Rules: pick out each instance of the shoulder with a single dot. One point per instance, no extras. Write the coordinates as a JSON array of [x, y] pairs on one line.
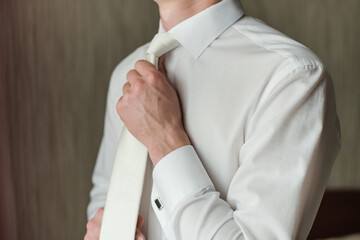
[[128, 61], [289, 68], [118, 76], [281, 59], [267, 39]]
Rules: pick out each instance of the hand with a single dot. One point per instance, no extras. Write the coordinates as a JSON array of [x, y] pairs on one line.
[[93, 227], [140, 223], [150, 109]]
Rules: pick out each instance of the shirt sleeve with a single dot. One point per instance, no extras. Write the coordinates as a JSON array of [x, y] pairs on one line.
[[290, 145], [190, 178]]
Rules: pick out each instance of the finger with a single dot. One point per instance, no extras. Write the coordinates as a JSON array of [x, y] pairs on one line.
[[126, 87], [92, 229], [99, 214], [132, 76], [144, 67], [139, 235], [140, 222], [92, 235], [100, 211]]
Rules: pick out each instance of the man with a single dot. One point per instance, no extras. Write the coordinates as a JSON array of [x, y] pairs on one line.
[[240, 124]]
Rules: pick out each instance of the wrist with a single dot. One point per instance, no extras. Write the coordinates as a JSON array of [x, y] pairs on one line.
[[171, 140]]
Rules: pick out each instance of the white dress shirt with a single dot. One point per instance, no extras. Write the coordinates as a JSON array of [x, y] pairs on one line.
[[260, 113]]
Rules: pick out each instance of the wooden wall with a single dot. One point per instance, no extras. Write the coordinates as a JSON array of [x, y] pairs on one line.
[[56, 61], [56, 58]]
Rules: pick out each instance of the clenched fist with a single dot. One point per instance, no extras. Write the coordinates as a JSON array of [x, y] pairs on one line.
[[150, 109]]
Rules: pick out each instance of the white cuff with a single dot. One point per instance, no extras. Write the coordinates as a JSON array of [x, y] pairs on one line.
[[178, 175]]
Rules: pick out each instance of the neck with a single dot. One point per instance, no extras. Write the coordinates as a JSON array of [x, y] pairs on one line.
[[173, 12]]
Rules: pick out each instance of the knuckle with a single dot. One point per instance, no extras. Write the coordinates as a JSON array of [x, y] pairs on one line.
[[126, 87], [138, 63], [125, 98], [138, 85], [153, 78], [130, 74]]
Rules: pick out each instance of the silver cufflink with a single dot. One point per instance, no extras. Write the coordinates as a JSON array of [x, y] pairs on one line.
[[158, 203]]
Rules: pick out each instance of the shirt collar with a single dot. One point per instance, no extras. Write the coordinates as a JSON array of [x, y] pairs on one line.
[[199, 31]]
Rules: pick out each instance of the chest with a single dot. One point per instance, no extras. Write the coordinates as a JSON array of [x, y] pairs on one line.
[[217, 101]]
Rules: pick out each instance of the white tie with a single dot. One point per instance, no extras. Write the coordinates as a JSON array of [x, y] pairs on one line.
[[127, 178]]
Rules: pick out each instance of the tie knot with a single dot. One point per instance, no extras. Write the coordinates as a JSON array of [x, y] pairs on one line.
[[160, 44]]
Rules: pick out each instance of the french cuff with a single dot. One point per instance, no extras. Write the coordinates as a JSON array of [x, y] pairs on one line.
[[179, 175]]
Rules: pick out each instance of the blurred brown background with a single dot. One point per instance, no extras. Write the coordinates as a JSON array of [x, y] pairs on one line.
[[56, 58]]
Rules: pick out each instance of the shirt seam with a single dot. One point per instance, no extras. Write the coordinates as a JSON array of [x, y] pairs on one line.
[[294, 60]]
